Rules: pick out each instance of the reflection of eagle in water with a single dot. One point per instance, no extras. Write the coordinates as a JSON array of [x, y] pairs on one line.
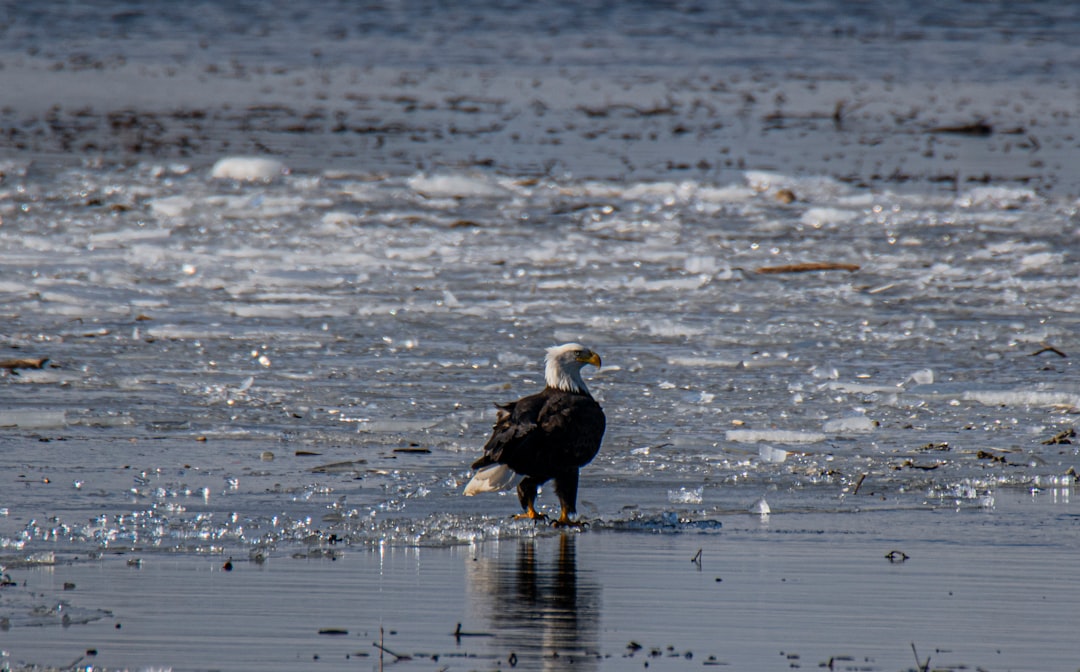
[[548, 435]]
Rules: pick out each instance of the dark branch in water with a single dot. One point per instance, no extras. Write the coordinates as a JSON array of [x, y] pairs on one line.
[[1048, 348], [459, 633], [396, 656], [978, 128], [923, 667], [378, 645]]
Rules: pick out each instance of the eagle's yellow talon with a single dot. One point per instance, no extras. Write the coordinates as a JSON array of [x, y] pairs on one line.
[[564, 521], [531, 514], [578, 524]]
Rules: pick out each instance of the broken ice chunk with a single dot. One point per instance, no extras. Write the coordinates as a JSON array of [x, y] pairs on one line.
[[686, 496], [248, 168], [761, 507], [33, 418], [854, 423], [922, 377], [772, 455]]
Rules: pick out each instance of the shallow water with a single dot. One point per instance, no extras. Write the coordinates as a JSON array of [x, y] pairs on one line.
[[305, 362], [789, 592]]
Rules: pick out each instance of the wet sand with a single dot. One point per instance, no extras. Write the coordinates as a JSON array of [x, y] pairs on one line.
[[969, 589]]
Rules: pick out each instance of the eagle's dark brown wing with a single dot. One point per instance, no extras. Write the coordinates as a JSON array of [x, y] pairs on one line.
[[545, 434]]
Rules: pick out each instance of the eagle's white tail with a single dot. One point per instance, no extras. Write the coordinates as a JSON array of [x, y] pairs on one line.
[[495, 478]]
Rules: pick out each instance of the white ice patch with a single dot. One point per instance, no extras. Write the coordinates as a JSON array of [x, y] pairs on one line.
[[772, 455], [728, 194], [997, 197], [7, 287], [851, 424], [679, 283], [171, 206], [703, 362], [701, 264], [393, 426], [285, 311], [261, 206], [335, 219], [1062, 398], [1042, 260], [772, 436], [669, 192], [922, 377], [32, 418], [118, 238], [456, 186], [858, 388], [805, 188], [248, 168], [670, 329], [451, 301], [822, 217]]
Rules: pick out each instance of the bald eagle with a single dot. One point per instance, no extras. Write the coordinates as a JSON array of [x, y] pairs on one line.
[[544, 436]]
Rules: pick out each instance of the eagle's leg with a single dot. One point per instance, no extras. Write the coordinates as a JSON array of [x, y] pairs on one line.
[[566, 490], [527, 496]]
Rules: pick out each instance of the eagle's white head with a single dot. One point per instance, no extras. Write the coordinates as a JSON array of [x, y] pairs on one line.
[[563, 364]]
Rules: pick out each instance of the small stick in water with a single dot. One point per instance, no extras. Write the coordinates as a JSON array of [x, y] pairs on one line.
[[397, 656], [858, 484], [923, 667]]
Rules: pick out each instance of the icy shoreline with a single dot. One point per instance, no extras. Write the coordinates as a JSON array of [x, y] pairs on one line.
[[204, 335]]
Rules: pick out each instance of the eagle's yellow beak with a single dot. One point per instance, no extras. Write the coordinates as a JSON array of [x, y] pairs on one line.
[[589, 358]]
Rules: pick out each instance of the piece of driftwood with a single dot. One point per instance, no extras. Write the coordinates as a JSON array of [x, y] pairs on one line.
[[977, 128], [23, 363], [1062, 437], [1048, 348], [808, 267]]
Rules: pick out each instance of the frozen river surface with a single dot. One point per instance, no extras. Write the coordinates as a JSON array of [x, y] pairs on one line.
[[236, 362], [836, 299]]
